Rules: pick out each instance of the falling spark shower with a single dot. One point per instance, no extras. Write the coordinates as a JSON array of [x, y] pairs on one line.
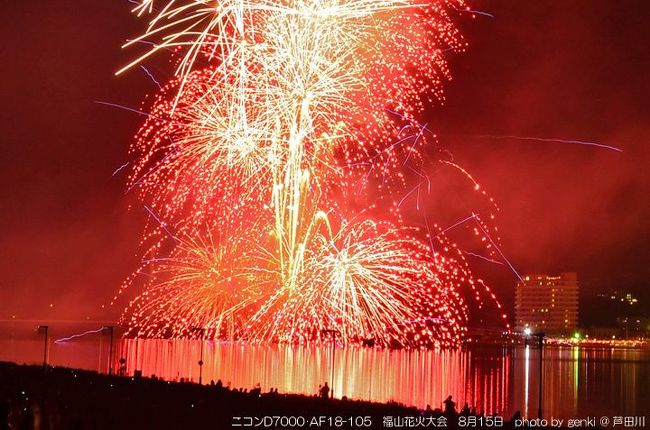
[[271, 164]]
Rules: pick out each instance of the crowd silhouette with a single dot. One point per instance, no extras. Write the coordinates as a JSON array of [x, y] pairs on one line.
[[38, 398]]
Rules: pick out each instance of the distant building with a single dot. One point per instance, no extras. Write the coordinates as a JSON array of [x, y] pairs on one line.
[[619, 296], [547, 303], [633, 326]]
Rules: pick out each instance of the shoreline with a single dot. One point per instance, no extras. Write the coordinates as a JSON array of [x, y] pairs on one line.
[[51, 398]]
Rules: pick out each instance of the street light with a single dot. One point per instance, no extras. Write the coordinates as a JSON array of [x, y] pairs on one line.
[[202, 331], [43, 329], [333, 333], [110, 329]]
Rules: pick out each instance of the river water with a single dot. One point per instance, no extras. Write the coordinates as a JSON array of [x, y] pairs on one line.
[[577, 381]]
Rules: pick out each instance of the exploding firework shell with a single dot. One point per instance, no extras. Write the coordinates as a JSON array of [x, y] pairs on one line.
[[370, 282], [278, 115], [207, 282]]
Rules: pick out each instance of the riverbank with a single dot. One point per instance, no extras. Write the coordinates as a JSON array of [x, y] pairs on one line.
[[33, 397]]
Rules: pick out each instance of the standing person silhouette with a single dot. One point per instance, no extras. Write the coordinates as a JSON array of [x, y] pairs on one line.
[[450, 406], [325, 391]]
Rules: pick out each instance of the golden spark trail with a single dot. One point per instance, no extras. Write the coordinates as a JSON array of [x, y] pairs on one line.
[[276, 118]]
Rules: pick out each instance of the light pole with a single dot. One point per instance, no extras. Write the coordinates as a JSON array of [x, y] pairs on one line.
[[43, 329], [202, 331], [333, 333], [110, 329]]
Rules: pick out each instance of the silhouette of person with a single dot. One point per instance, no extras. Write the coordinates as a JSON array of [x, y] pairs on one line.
[[325, 391], [122, 369], [428, 411], [450, 406]]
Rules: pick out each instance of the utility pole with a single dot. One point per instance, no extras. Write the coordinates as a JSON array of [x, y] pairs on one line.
[[333, 333], [43, 329], [110, 329], [201, 330]]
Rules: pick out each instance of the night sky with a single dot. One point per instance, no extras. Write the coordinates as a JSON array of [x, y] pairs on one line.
[[575, 70]]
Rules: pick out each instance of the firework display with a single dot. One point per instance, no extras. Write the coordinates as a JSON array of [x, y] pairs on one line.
[[270, 163]]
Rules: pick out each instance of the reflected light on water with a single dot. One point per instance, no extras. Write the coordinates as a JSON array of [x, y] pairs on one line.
[[526, 381], [418, 378], [578, 381]]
